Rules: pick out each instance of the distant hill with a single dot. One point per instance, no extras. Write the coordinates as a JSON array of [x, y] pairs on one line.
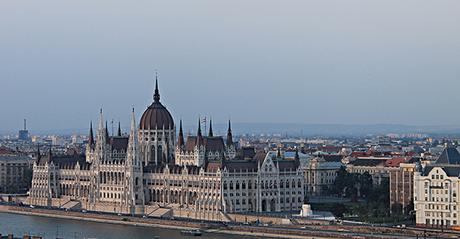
[[298, 129]]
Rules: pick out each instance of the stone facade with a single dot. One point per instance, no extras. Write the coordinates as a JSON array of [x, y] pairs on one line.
[[146, 173], [13, 173], [402, 185], [436, 189], [320, 175]]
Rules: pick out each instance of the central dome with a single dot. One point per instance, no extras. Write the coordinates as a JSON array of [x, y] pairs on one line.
[[156, 116]]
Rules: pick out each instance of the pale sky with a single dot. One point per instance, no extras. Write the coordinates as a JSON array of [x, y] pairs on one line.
[[325, 61]]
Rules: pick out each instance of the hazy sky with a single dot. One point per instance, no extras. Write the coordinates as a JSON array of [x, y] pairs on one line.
[[322, 61]]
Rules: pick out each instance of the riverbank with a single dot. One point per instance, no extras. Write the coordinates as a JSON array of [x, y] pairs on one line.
[[153, 222]]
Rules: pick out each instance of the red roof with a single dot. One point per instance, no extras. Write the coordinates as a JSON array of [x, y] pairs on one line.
[[359, 154], [6, 151], [394, 162]]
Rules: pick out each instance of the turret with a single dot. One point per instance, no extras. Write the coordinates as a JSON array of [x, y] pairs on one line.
[[199, 136], [132, 142], [107, 137], [91, 135], [180, 140], [229, 134], [101, 140], [211, 134], [156, 95]]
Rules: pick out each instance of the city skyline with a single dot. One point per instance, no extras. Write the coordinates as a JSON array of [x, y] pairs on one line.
[[271, 64]]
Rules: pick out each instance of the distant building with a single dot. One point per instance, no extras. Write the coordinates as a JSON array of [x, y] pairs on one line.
[[402, 184], [15, 172], [436, 191], [320, 175], [24, 133], [375, 166]]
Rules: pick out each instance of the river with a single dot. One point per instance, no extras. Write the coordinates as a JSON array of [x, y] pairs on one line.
[[51, 228]]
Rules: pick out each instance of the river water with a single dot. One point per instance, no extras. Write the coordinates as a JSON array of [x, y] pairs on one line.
[[51, 228]]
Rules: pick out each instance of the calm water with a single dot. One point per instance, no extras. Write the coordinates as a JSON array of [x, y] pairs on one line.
[[69, 229]]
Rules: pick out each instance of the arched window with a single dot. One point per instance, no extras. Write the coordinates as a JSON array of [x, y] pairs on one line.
[[160, 153]]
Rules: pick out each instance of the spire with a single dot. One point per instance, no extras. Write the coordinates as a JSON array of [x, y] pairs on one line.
[[38, 153], [210, 128], [119, 129], [133, 123], [132, 142], [156, 95], [278, 154], [180, 140], [199, 135], [91, 135], [199, 128], [229, 134], [107, 138], [101, 121]]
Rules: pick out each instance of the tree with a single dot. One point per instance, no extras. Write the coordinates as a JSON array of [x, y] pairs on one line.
[[338, 210]]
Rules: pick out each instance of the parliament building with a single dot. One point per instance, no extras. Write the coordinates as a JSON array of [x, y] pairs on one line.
[[154, 172]]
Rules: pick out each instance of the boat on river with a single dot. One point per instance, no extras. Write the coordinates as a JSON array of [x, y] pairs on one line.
[[195, 232]]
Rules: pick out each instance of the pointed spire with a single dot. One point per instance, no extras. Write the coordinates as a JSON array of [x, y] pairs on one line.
[[119, 129], [133, 122], [210, 129], [156, 95], [107, 138], [101, 120], [91, 135], [199, 128], [132, 142], [278, 155], [38, 153], [199, 135], [229, 134], [180, 140]]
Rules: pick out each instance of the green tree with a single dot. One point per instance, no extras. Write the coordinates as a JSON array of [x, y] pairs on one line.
[[338, 210]]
